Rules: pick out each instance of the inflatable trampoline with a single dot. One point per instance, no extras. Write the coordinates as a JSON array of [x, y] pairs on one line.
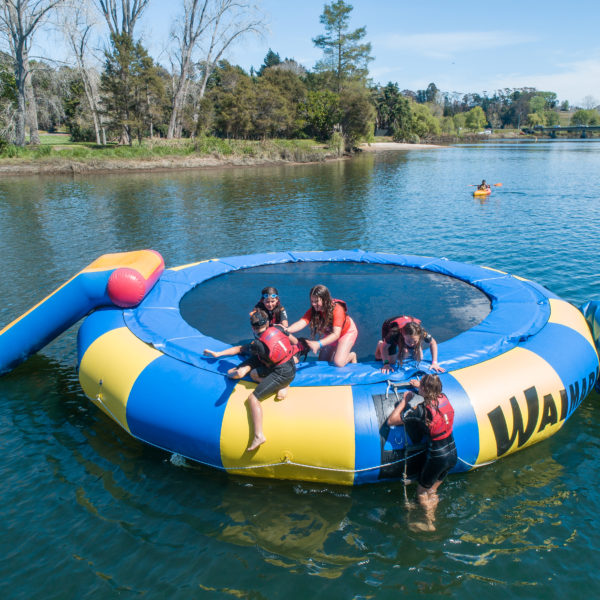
[[521, 363]]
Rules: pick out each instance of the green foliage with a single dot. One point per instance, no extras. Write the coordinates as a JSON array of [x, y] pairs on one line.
[[131, 87], [357, 114], [551, 118], [424, 124], [344, 53], [535, 119], [585, 117], [322, 110], [271, 59], [475, 119]]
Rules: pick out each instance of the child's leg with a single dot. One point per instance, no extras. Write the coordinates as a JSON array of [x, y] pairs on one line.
[[378, 350], [238, 372], [257, 423], [343, 352]]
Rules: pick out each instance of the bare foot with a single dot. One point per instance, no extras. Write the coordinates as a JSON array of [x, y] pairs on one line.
[[257, 441], [353, 360], [419, 526], [281, 394]]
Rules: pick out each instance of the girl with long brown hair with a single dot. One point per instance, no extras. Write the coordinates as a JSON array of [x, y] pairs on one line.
[[332, 329]]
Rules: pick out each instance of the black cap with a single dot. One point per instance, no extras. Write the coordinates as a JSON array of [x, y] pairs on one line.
[[258, 319]]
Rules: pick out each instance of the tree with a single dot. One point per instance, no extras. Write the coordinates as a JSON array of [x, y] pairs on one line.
[[121, 15], [585, 117], [19, 20], [357, 114], [77, 24], [271, 60], [322, 109], [344, 54], [131, 88], [215, 25], [475, 118]]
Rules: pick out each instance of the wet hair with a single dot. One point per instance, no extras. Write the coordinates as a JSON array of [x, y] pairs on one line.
[[275, 313], [411, 329], [259, 318], [321, 321], [269, 290], [430, 387]]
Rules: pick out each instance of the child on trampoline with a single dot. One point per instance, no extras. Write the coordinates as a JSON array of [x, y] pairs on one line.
[[402, 338], [330, 323], [271, 364], [271, 304]]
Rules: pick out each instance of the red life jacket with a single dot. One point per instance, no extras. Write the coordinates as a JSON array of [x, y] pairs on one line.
[[401, 321], [442, 419], [278, 345], [343, 304]]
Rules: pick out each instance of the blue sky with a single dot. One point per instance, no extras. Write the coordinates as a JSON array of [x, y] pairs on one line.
[[462, 46]]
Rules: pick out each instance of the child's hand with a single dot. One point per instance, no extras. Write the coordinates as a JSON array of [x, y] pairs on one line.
[[387, 368], [414, 383], [314, 346], [435, 367]]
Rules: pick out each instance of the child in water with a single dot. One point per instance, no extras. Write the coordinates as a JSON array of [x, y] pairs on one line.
[[432, 412], [271, 304], [402, 338], [271, 364]]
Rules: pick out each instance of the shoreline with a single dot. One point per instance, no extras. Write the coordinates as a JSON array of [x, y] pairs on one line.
[[15, 168]]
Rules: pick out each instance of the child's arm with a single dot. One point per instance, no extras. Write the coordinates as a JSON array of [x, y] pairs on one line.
[[396, 417], [434, 355], [388, 365], [227, 352]]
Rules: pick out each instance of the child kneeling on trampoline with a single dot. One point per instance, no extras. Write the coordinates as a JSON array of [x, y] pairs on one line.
[[270, 363]]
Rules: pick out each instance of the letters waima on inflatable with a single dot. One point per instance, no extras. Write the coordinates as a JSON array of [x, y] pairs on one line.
[[513, 379]]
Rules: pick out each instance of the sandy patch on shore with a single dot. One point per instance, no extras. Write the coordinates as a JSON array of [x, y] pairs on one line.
[[381, 146]]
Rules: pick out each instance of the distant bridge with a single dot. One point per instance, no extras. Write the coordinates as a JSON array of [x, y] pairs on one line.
[[583, 130]]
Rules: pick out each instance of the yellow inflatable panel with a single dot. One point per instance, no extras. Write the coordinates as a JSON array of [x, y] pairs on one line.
[[110, 367], [527, 400], [312, 426], [565, 313]]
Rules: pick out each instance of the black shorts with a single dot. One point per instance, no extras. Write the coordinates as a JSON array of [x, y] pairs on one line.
[[441, 457], [273, 378]]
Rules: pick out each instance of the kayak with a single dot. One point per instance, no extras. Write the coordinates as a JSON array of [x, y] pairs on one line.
[[482, 192]]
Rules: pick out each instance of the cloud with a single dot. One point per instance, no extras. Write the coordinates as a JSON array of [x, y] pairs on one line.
[[445, 45], [571, 81]]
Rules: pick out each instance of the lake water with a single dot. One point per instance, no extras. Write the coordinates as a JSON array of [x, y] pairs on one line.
[[88, 512]]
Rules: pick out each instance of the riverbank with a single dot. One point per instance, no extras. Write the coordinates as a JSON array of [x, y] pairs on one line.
[[163, 155]]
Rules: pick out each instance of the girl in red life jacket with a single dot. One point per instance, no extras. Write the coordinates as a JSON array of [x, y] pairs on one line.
[[432, 412], [271, 304], [271, 364], [402, 338], [333, 331]]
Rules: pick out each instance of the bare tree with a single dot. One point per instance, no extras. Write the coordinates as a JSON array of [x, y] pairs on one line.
[[121, 15], [209, 26], [19, 19], [77, 24]]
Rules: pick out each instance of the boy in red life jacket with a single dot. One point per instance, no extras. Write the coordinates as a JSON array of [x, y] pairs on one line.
[[432, 412], [402, 338], [271, 364]]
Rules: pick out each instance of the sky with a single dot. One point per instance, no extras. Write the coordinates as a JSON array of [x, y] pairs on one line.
[[463, 46]]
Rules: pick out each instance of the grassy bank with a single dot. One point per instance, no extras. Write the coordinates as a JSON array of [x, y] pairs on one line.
[[57, 154]]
